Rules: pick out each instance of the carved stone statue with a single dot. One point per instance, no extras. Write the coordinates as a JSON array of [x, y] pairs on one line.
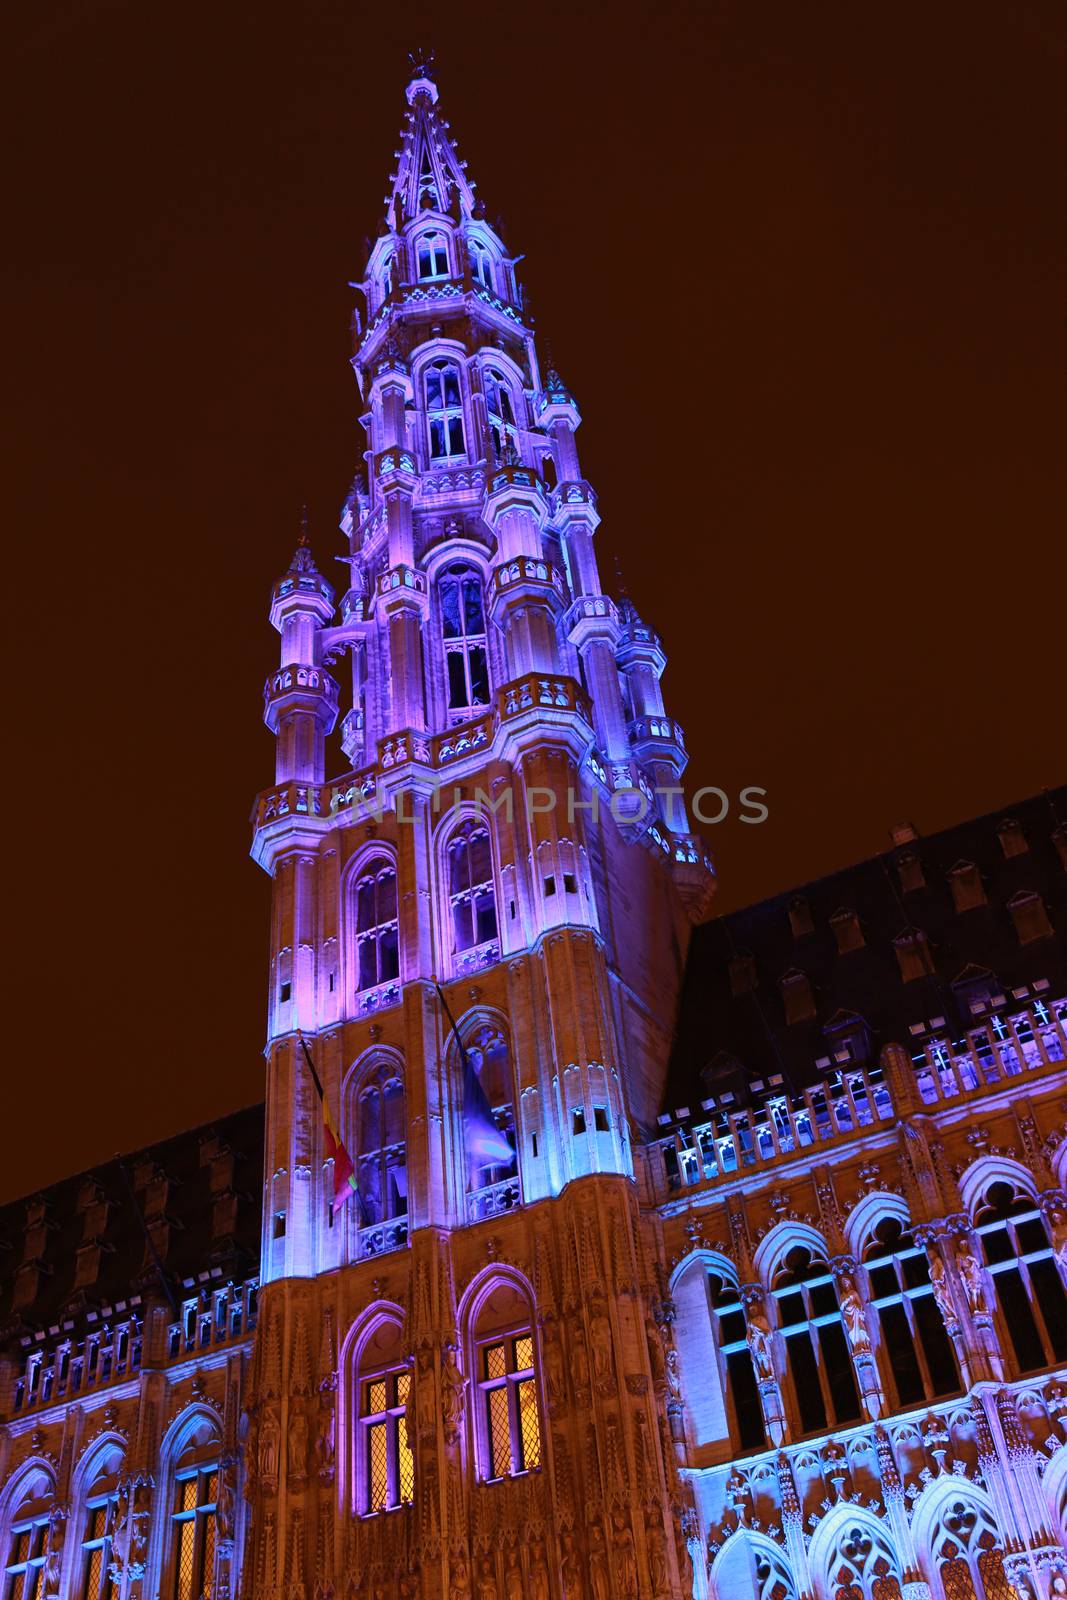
[[227, 1496], [57, 1532], [538, 1574], [424, 1385], [1057, 1227], [674, 1376], [570, 1570], [657, 1558], [598, 1564], [324, 1445], [267, 1456], [460, 1574], [759, 1342], [942, 1291], [579, 1361], [852, 1316], [555, 1381], [971, 1277], [655, 1352], [513, 1585], [298, 1444], [453, 1385], [486, 1581], [625, 1556], [600, 1340]]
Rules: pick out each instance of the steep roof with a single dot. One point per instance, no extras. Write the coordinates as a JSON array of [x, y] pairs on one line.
[[831, 955]]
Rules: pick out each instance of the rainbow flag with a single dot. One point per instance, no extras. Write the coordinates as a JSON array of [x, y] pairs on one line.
[[344, 1172]]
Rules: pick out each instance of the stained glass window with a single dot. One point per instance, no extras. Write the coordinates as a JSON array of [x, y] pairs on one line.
[[24, 1574], [193, 1522], [388, 1464], [511, 1420]]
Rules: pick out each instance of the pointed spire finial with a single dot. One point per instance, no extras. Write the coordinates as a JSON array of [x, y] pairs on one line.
[[303, 560], [421, 80], [303, 541]]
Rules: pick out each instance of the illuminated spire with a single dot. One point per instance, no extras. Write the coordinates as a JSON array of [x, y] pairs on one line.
[[429, 175]]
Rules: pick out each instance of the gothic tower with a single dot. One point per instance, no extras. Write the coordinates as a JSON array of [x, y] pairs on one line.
[[459, 1386]]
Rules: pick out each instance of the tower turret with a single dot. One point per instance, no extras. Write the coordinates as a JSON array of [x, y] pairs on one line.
[[300, 698]]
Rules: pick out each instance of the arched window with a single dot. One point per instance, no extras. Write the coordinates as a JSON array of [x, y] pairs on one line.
[[863, 1566], [966, 1551], [481, 264], [432, 252], [487, 1052], [384, 1474], [736, 1357], [189, 1562], [471, 888], [27, 1544], [913, 1332], [809, 1317], [381, 1146], [92, 1580], [507, 1415], [1028, 1286], [377, 937], [444, 411], [463, 628], [500, 408]]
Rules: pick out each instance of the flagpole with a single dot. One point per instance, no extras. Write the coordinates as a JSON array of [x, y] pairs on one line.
[[318, 1087]]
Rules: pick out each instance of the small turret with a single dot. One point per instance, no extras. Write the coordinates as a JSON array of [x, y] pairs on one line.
[[301, 698]]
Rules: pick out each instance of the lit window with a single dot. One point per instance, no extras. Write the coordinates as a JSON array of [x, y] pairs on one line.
[[444, 411], [501, 411], [96, 1583], [1019, 1257], [966, 1544], [737, 1363], [381, 1147], [864, 1565], [511, 1427], [433, 256], [820, 1365], [193, 1532], [463, 629], [24, 1573], [913, 1332], [377, 946], [388, 1464], [471, 890]]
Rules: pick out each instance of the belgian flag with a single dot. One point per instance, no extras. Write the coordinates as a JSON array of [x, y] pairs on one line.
[[344, 1172]]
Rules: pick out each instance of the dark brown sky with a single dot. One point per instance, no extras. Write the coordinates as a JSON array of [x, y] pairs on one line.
[[803, 266]]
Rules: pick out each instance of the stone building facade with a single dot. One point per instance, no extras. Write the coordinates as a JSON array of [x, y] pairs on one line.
[[760, 1293]]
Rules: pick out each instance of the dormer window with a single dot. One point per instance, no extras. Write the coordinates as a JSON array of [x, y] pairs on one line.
[[797, 997], [432, 251], [444, 411], [847, 930], [742, 971], [913, 954], [1012, 838], [965, 881], [800, 917], [1030, 917], [910, 872]]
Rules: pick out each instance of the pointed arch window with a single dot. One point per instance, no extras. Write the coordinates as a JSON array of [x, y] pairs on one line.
[[864, 1567], [193, 1531], [444, 411], [1029, 1290], [914, 1339], [969, 1559], [377, 928], [432, 255], [494, 1186], [24, 1569], [381, 1147], [471, 887], [95, 1582], [382, 1464], [463, 631], [507, 1418], [736, 1356], [809, 1318], [500, 408], [481, 264]]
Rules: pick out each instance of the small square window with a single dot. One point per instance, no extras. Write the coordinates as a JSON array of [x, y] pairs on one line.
[[577, 1120], [570, 883], [285, 992], [550, 885], [279, 1224], [600, 1119]]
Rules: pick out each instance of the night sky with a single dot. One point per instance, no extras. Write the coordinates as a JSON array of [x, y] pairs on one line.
[[802, 266]]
